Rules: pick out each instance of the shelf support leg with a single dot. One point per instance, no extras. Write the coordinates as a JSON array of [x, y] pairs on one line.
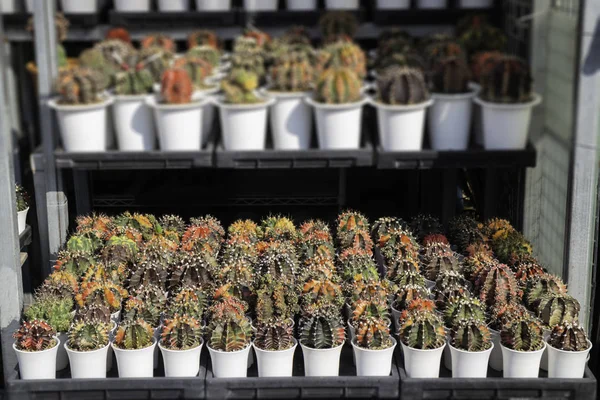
[[81, 184]]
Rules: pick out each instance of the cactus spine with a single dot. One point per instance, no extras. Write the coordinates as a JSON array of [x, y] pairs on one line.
[[421, 329], [321, 328], [274, 336], [569, 337], [471, 335]]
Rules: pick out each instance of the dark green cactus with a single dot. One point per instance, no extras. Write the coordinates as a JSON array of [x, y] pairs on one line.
[[192, 270], [439, 257], [541, 285], [137, 308], [470, 335], [86, 244], [569, 337], [181, 333], [54, 310], [228, 331], [365, 309], [34, 335], [274, 336], [321, 327], [450, 75], [278, 260], [509, 81], [511, 247], [134, 335], [88, 336], [464, 231], [373, 334], [134, 82], [237, 264], [356, 261], [203, 37], [558, 309], [191, 301], [425, 224], [477, 35], [523, 334], [407, 59], [93, 312], [463, 308], [421, 330]]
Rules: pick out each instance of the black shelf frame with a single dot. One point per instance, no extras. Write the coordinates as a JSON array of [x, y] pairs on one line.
[[179, 20]]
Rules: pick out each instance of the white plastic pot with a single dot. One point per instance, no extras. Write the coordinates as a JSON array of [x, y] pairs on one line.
[[341, 4], [28, 6], [322, 362], [132, 5], [422, 363], [62, 359], [135, 363], [275, 363], [301, 5], [401, 128], [22, 220], [83, 128], [244, 126], [173, 5], [470, 364], [475, 3], [496, 355], [79, 6], [291, 121], [37, 364], [506, 126], [393, 4], [229, 364], [208, 112], [338, 125], [373, 362], [213, 5], [260, 5], [134, 124], [181, 363], [8, 6], [431, 4], [449, 120], [567, 364], [88, 364], [179, 125], [521, 364]]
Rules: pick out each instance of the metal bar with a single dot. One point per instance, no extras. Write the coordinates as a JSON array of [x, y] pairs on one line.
[[81, 184], [449, 187]]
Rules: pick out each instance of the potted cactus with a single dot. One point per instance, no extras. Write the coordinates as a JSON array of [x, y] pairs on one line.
[[36, 346], [522, 343], [260, 5], [301, 5], [173, 5], [87, 347], [243, 112], [125, 6], [341, 4], [213, 5], [507, 102], [79, 6], [180, 344], [292, 78], [402, 99], [81, 108], [373, 347], [423, 339], [338, 104], [275, 346], [568, 350], [22, 207], [102, 293], [470, 348], [134, 345], [322, 337], [432, 4], [178, 115]]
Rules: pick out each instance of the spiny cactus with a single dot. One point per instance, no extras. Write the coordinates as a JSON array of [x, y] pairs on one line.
[[181, 333], [205, 234], [22, 198], [203, 37], [120, 251], [396, 246], [277, 227], [373, 334], [369, 309], [407, 293], [569, 337], [422, 225], [243, 44], [197, 69], [315, 241], [338, 85], [106, 293], [84, 243], [463, 231], [497, 286], [149, 272], [320, 288], [61, 284], [399, 265], [477, 264], [206, 53], [502, 315], [557, 309], [471, 335], [237, 265], [173, 226], [274, 336], [401, 86], [482, 63], [54, 310], [134, 335], [74, 262], [321, 327], [229, 332], [382, 227], [240, 86], [317, 263], [176, 87], [354, 261], [278, 260], [511, 247], [449, 278], [439, 50], [541, 285], [192, 270], [407, 59], [244, 230], [93, 312], [446, 293], [362, 288], [450, 75], [121, 34], [526, 271], [349, 222], [106, 58], [292, 72], [524, 334], [191, 301], [509, 81], [158, 40], [437, 259], [336, 25], [136, 80], [95, 224], [275, 300], [80, 86], [421, 330], [156, 60], [463, 308], [88, 336], [250, 61], [262, 38], [35, 335], [344, 54], [477, 35], [136, 308]]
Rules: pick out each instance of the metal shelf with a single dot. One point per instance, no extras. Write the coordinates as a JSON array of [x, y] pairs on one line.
[[179, 20]]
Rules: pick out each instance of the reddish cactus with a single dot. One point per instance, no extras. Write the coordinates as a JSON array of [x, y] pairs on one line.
[[176, 87]]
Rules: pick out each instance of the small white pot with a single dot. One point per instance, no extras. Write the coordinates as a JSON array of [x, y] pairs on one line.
[[179, 125], [37, 364], [301, 5], [208, 112], [62, 359], [132, 5], [173, 5], [135, 363], [422, 363], [338, 125], [134, 124], [79, 6], [567, 364], [476, 3], [244, 126], [213, 5], [401, 128], [22, 219], [322, 362], [260, 5], [393, 4], [449, 120], [88, 364], [506, 126], [181, 363], [275, 363], [8, 6], [229, 364], [373, 362], [468, 364], [544, 362], [496, 356], [341, 4], [291, 121], [521, 364], [431, 4], [83, 128]]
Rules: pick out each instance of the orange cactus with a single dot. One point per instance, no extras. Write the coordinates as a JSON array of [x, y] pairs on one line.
[[176, 86]]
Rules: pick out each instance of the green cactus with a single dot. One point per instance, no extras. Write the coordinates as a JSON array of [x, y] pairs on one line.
[[134, 82], [192, 270], [155, 60], [450, 75], [134, 335], [471, 335], [476, 35], [244, 231], [569, 337], [365, 309], [425, 224], [541, 285], [558, 309], [292, 72], [398, 247], [446, 293], [441, 49], [206, 53], [275, 300], [498, 285], [197, 69], [356, 261], [384, 226], [88, 336], [107, 57], [228, 331], [22, 198], [422, 330], [438, 258], [337, 25], [181, 333], [240, 86], [338, 85], [34, 335], [86, 244], [321, 327], [279, 228], [510, 247], [203, 37], [102, 293], [74, 262], [449, 278], [502, 315], [191, 301], [523, 334], [369, 289], [344, 54], [136, 308], [315, 243], [463, 308], [93, 312], [244, 44], [508, 81], [276, 335], [54, 310], [278, 260], [119, 250], [97, 225], [464, 231], [237, 264], [252, 62], [373, 334]]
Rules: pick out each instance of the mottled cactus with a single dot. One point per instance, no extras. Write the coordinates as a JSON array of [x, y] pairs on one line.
[[84, 243], [239, 87], [181, 333], [478, 263], [470, 335], [278, 228], [135, 308], [502, 315], [106, 293], [368, 289], [425, 224], [173, 226], [292, 72], [449, 278], [190, 301], [527, 271], [197, 69], [176, 87], [510, 247], [278, 260], [237, 264], [315, 241], [229, 332], [524, 334], [149, 272], [422, 330], [321, 288], [203, 37], [88, 336], [205, 234], [136, 80], [107, 57], [192, 270], [540, 286], [407, 293], [274, 336], [399, 265], [369, 309], [94, 224], [159, 40], [463, 308], [437, 258], [206, 53], [356, 261], [321, 328], [120, 250], [156, 61], [509, 81], [80, 86], [134, 335], [558, 309], [337, 25], [498, 285], [398, 246], [22, 198], [93, 312], [243, 44], [464, 231], [373, 334], [54, 310], [262, 38], [74, 262], [244, 231], [348, 223], [253, 62], [569, 337], [35, 335], [338, 85], [344, 54], [450, 75], [482, 63], [61, 284], [446, 293], [382, 227], [275, 300]]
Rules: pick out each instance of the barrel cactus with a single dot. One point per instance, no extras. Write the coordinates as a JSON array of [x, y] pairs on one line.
[[278, 260], [176, 87], [338, 85], [373, 334], [229, 332], [321, 288], [206, 53], [407, 293], [240, 86], [497, 286], [356, 261], [344, 54], [509, 81], [244, 231], [292, 72], [203, 37], [279, 228], [34, 335], [275, 301], [190, 301], [463, 308], [450, 75], [276, 335], [524, 334], [197, 69], [401, 86], [88, 336], [80, 86], [321, 328], [471, 335], [541, 285], [464, 231], [422, 330], [93, 312], [437, 260], [569, 337], [557, 309], [134, 335], [106, 293], [182, 332], [192, 270]]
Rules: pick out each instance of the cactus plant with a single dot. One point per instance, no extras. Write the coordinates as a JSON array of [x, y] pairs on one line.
[[134, 335], [321, 288], [95, 224], [541, 285], [470, 335], [93, 312], [424, 224], [365, 309], [197, 69], [407, 293], [156, 61], [477, 264], [239, 87], [88, 336], [34, 335], [134, 79], [408, 59], [250, 61], [510, 247], [149, 272], [523, 334], [206, 53], [74, 262], [498, 285], [315, 241], [338, 85], [275, 300], [189, 300], [476, 35], [106, 293], [228, 331], [192, 270], [62, 29], [176, 87], [277, 227], [508, 81], [441, 49], [204, 234], [344, 54], [54, 310], [501, 315], [437, 258], [173, 226], [463, 308], [244, 44], [136, 308], [569, 337], [237, 265], [278, 260], [350, 222], [158, 40], [398, 246], [526, 271], [446, 293], [84, 243], [464, 231], [292, 72], [274, 336], [558, 309], [244, 230], [450, 75], [482, 63], [61, 284], [362, 288], [354, 261], [321, 327], [261, 37], [382, 227], [448, 278], [80, 86], [181, 333], [373, 334], [337, 25], [203, 37], [421, 330]]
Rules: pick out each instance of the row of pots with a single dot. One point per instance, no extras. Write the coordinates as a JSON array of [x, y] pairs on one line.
[[92, 6]]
